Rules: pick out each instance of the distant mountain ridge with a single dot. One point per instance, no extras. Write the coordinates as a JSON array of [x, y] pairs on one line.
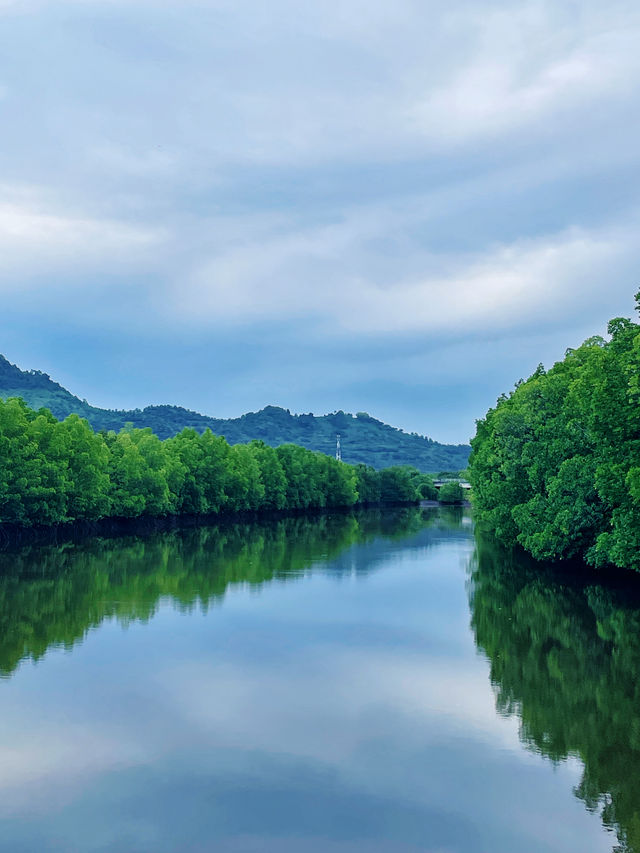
[[364, 439]]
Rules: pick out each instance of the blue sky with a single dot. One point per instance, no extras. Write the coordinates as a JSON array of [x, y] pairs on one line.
[[393, 207]]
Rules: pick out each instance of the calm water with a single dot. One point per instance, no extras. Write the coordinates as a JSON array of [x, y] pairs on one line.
[[370, 683]]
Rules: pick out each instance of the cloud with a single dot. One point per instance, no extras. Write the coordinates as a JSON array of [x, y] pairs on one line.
[[124, 161], [35, 238], [507, 287], [433, 175], [351, 278], [530, 66], [300, 86]]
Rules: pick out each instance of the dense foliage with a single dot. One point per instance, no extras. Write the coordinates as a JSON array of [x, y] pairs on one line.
[[58, 471], [451, 493], [364, 439], [555, 466], [565, 656]]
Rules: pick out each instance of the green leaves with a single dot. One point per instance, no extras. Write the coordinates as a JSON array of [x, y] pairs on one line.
[[451, 493], [52, 471], [554, 465]]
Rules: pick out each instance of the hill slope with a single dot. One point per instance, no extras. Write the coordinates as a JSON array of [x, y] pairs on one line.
[[364, 439]]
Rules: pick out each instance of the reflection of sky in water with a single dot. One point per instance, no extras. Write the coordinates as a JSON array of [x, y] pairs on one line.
[[346, 711]]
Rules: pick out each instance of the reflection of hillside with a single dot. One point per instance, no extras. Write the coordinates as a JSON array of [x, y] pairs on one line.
[[54, 595], [565, 657], [418, 530]]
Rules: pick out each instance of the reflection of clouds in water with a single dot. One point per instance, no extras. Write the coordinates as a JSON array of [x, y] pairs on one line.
[[319, 845], [370, 718], [341, 699], [43, 765], [340, 716]]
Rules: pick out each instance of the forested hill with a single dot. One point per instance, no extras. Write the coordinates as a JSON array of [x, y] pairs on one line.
[[364, 439]]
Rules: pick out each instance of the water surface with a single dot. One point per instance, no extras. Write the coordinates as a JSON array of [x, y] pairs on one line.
[[373, 682]]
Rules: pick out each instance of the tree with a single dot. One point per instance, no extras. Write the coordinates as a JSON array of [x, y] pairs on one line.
[[554, 464], [271, 475], [52, 471], [244, 488], [87, 481], [451, 493], [396, 485]]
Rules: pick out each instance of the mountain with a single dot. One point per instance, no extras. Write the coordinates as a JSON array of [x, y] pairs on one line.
[[363, 438]]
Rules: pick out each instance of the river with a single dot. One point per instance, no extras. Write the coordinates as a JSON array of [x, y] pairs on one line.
[[376, 682]]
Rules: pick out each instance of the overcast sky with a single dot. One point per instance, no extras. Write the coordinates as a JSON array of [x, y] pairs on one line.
[[399, 207]]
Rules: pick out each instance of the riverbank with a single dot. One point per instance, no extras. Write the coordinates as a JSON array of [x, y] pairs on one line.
[[463, 504], [14, 535]]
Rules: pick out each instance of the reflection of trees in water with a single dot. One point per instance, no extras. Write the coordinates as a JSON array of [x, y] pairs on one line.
[[54, 595], [565, 657]]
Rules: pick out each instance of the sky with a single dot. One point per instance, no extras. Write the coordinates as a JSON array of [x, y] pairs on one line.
[[399, 208]]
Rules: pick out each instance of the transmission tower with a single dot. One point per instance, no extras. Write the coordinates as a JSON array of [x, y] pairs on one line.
[[338, 450]]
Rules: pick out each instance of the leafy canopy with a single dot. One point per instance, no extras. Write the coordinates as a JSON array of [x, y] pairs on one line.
[[555, 466]]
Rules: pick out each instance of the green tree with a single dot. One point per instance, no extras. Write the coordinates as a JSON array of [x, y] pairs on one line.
[[244, 488], [271, 475], [368, 484], [53, 471], [396, 485], [451, 493], [554, 464], [87, 482]]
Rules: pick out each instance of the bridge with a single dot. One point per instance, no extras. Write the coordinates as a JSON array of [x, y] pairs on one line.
[[462, 483]]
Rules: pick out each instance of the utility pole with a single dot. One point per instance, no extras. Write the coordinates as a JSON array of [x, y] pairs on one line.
[[338, 450]]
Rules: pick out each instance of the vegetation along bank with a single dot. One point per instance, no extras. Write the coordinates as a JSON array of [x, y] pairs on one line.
[[555, 466], [55, 472], [364, 439]]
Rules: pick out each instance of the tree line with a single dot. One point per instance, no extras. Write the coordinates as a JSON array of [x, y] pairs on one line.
[[55, 471], [365, 439], [555, 466]]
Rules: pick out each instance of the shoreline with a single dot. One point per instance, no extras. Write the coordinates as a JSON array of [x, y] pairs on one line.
[[14, 535]]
